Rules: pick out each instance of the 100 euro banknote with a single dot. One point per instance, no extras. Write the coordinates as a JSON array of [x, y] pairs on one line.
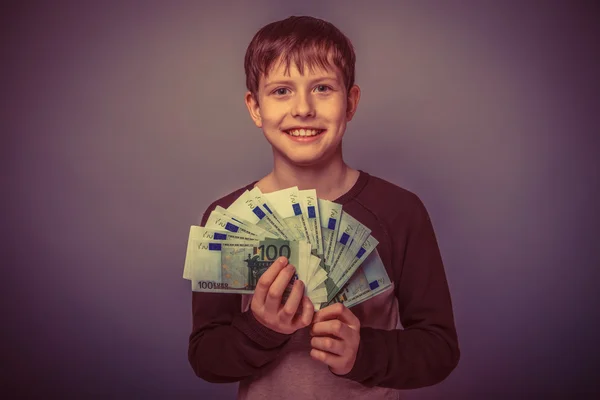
[[201, 234], [235, 266]]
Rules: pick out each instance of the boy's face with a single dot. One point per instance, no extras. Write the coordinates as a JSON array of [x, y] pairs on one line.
[[303, 117]]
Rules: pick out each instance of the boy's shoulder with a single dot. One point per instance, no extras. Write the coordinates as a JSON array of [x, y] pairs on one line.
[[388, 204], [378, 185], [382, 194]]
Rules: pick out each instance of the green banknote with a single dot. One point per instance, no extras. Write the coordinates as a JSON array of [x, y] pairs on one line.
[[236, 266], [329, 214], [338, 278], [199, 234], [287, 204], [249, 209], [369, 280]]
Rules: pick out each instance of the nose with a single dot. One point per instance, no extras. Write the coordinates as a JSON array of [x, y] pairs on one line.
[[303, 106]]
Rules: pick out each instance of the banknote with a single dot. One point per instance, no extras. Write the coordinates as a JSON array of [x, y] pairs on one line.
[[314, 278], [287, 204], [259, 231], [368, 295], [304, 256], [236, 266], [203, 233], [310, 208], [308, 231], [360, 236], [220, 221], [370, 279], [351, 236], [341, 276], [278, 219], [329, 214], [200, 234], [316, 274], [248, 209], [304, 274], [318, 295]]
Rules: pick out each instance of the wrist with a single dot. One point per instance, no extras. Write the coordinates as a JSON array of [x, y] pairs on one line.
[[357, 372], [257, 332]]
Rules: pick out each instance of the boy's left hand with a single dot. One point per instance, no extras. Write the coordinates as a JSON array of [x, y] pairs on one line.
[[336, 336]]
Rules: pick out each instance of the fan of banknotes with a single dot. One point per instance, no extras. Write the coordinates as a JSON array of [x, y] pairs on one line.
[[333, 253]]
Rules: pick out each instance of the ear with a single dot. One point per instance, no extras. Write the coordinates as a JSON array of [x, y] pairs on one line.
[[253, 108], [353, 99]]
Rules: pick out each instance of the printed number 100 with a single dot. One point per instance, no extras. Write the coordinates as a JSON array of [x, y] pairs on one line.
[[272, 253]]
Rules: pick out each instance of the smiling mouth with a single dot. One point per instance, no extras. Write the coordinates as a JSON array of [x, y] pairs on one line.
[[304, 132]]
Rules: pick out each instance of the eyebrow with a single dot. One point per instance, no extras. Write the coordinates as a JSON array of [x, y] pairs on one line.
[[292, 83]]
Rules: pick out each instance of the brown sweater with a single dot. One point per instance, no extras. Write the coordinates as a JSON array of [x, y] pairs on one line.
[[407, 337]]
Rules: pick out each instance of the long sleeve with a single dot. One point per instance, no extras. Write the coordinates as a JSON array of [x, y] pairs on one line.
[[226, 344], [426, 350]]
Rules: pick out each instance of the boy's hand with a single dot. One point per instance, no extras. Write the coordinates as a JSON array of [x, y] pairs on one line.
[[266, 302], [336, 336]]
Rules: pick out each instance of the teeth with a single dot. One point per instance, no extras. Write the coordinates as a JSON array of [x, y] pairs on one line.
[[304, 132]]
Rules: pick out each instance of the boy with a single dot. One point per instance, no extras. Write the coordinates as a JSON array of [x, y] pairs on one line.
[[301, 93]]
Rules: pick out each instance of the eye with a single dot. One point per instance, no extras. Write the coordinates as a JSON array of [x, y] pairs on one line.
[[280, 91], [323, 88]]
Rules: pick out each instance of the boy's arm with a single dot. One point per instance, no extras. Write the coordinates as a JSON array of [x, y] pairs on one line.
[[226, 344], [426, 350]]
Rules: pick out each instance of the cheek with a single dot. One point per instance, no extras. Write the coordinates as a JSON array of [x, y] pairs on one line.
[[271, 120], [339, 122], [272, 111], [334, 113]]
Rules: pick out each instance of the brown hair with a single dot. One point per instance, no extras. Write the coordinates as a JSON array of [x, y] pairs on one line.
[[299, 40]]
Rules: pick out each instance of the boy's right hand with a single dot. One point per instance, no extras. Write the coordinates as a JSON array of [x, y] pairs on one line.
[[266, 303]]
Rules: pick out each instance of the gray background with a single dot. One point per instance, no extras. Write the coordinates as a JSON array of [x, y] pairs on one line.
[[122, 121]]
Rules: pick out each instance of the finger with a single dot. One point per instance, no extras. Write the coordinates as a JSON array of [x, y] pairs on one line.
[[293, 301], [334, 328], [308, 311], [337, 311], [332, 360], [267, 279], [330, 312], [275, 292], [328, 344]]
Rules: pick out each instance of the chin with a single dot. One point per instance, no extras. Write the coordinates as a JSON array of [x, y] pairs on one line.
[[309, 156], [306, 161]]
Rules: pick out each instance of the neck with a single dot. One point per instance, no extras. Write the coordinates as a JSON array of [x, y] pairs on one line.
[[330, 178]]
